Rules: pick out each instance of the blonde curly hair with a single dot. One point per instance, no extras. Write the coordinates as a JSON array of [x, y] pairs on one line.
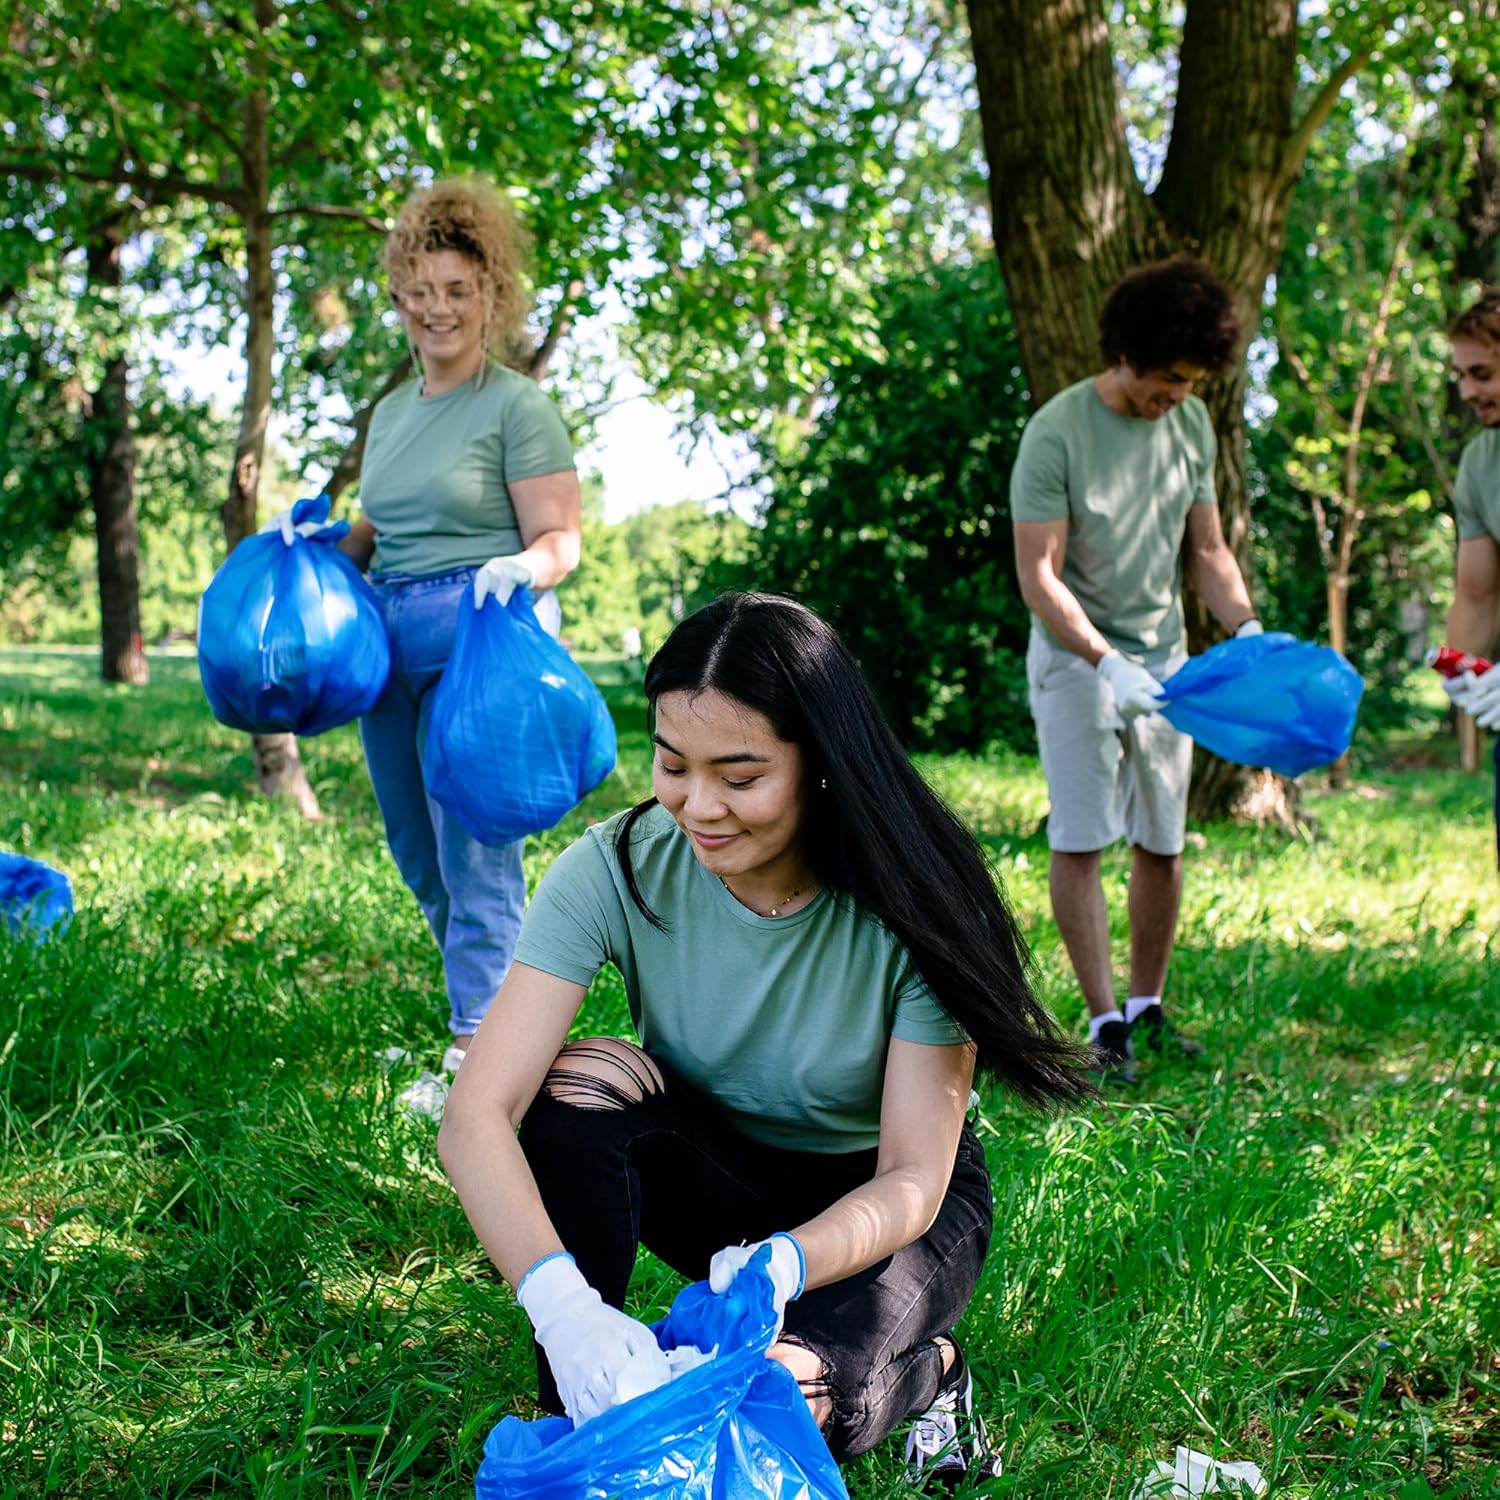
[[468, 215]]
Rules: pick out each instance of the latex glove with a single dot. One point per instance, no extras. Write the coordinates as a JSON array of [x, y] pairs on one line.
[[600, 1357], [1483, 700], [1459, 687], [501, 576], [1136, 690], [788, 1269], [1252, 626], [305, 518]]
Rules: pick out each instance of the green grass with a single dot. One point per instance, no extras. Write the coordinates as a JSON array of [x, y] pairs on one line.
[[229, 1265]]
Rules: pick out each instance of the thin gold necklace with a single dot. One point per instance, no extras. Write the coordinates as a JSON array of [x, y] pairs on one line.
[[775, 911]]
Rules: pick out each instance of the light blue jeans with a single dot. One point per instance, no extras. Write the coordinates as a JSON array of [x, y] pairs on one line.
[[471, 895]]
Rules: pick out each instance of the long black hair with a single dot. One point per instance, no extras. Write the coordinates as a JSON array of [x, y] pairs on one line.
[[876, 833]]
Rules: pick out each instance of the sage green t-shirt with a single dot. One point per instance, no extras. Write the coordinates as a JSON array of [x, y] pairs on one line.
[[1124, 485], [437, 469], [784, 1021], [1476, 491]]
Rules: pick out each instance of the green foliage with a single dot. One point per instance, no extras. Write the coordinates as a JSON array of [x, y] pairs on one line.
[[896, 523], [233, 1266]]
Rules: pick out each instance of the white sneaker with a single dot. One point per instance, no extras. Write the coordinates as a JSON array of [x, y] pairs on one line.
[[426, 1097], [948, 1442]]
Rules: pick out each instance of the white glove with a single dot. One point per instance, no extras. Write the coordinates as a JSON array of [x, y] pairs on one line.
[[501, 576], [788, 1270], [304, 518], [1483, 700], [600, 1357], [1459, 687], [1136, 690], [1252, 626]]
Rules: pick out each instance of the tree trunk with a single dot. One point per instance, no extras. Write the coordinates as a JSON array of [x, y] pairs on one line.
[[278, 765], [1070, 214], [110, 447]]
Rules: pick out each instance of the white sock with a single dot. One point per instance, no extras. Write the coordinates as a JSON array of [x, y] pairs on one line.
[[1095, 1022], [1137, 1003]]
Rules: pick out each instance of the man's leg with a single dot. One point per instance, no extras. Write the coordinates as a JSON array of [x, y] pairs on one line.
[[1081, 759], [1155, 896], [1082, 917], [1158, 766]]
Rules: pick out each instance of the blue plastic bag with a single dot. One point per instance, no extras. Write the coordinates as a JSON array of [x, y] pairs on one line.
[[35, 899], [735, 1428], [291, 639], [518, 734], [1267, 700]]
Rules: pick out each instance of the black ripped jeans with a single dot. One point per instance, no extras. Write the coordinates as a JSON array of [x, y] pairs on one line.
[[669, 1173]]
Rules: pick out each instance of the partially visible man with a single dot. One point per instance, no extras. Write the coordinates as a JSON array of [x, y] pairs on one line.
[[1475, 339], [1112, 491]]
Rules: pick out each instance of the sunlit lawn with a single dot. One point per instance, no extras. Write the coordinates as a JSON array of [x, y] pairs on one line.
[[230, 1265]]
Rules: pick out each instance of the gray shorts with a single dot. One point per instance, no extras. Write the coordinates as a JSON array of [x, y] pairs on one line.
[[1105, 783]]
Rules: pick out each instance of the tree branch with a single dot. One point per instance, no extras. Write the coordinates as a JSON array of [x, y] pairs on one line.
[[562, 321], [1318, 111], [332, 211], [155, 187]]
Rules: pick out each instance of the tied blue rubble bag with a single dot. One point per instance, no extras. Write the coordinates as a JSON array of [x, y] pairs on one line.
[[734, 1428], [1267, 700], [35, 899], [518, 734], [291, 638]]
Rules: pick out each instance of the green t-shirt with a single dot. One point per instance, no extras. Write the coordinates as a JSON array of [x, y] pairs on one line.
[[1476, 492], [436, 470], [1124, 485], [784, 1021]]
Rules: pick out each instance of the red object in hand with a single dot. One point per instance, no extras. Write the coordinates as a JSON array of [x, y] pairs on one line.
[[1451, 663]]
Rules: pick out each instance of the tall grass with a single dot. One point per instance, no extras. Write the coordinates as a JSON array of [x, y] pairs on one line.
[[231, 1265]]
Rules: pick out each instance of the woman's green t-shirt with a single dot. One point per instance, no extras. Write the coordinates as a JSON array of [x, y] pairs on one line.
[[784, 1021]]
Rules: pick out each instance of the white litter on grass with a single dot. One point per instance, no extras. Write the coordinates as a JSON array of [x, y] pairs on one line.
[[394, 1057], [1197, 1474]]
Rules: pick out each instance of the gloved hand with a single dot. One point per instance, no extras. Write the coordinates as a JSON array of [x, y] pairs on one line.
[[600, 1357], [1136, 690], [307, 518], [1483, 699], [788, 1269], [1459, 687], [1252, 626], [501, 576]]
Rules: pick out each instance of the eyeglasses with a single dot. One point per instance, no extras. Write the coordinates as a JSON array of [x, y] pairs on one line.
[[422, 297]]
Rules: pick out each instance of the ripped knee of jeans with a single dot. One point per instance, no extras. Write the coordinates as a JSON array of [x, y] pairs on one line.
[[602, 1072], [807, 1368]]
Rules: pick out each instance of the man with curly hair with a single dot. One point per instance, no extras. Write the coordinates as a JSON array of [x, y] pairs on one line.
[[1474, 337], [1112, 491], [468, 489]]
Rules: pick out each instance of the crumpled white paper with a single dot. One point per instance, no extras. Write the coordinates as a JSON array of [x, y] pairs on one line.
[[640, 1376], [1196, 1474]]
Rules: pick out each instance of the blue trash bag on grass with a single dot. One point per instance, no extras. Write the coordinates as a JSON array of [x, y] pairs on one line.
[[518, 734], [291, 639], [1267, 700], [35, 899], [735, 1428]]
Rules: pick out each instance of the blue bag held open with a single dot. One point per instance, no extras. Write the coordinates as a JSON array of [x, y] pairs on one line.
[[35, 899], [518, 734], [291, 638], [735, 1428], [1267, 700]]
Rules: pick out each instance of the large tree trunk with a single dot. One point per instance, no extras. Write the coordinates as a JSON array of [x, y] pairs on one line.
[[110, 446], [1071, 216], [278, 765]]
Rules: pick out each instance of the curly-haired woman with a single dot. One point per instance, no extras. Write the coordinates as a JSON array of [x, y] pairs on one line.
[[468, 489]]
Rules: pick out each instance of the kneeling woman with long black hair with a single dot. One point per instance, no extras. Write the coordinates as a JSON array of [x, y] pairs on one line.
[[816, 957]]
